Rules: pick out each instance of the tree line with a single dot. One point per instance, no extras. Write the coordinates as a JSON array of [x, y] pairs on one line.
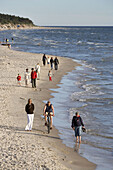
[[12, 19]]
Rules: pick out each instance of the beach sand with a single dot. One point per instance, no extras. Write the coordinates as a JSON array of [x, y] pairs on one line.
[[20, 149]]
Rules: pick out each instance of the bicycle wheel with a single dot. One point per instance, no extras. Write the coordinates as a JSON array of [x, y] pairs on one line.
[[48, 125]]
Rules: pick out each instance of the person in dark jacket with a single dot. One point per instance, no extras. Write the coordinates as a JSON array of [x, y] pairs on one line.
[[56, 62], [76, 125], [33, 78], [29, 108], [51, 62], [44, 59], [48, 108]]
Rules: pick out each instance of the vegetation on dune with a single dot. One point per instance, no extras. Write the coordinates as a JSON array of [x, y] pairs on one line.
[[14, 20]]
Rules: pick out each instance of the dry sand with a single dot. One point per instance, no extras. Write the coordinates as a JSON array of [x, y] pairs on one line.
[[36, 149]]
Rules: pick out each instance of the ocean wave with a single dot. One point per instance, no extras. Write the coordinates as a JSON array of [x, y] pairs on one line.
[[93, 33], [90, 43], [80, 42], [92, 132], [91, 67]]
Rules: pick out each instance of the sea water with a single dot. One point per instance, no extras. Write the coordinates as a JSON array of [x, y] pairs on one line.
[[87, 89]]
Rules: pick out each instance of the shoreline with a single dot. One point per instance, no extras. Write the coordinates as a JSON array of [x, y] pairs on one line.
[[14, 119]]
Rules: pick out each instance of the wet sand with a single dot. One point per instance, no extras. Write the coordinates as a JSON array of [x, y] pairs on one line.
[[36, 149]]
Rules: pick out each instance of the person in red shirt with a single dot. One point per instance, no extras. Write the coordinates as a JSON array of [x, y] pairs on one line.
[[33, 78], [19, 79]]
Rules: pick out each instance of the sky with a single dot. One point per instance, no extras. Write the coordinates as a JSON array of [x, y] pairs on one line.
[[62, 12]]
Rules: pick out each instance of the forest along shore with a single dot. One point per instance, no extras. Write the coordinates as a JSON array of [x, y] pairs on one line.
[[35, 149]]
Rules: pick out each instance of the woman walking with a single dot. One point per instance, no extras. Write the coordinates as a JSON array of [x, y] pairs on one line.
[[30, 114]]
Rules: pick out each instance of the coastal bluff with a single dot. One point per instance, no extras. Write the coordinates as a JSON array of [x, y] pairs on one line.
[[15, 22]]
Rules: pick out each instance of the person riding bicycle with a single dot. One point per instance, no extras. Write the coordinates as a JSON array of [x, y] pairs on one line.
[[48, 108]]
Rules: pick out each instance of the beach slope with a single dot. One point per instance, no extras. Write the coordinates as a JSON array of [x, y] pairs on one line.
[[36, 149]]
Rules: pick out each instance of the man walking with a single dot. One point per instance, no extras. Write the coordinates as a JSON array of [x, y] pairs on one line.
[[56, 62], [33, 78], [51, 62], [76, 125], [44, 59], [30, 115]]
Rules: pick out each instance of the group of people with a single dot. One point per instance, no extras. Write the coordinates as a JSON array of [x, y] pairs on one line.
[[50, 61], [29, 108], [77, 122], [35, 75], [35, 72]]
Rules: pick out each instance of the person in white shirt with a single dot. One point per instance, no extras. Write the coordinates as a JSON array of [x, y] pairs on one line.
[[48, 60], [37, 67], [27, 77]]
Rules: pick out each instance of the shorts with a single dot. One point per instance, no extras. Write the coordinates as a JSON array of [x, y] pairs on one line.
[[51, 113], [77, 131]]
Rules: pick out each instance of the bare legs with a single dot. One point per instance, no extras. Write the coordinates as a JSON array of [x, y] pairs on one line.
[[79, 139], [50, 119]]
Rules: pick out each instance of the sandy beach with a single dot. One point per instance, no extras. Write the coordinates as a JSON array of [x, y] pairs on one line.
[[36, 149]]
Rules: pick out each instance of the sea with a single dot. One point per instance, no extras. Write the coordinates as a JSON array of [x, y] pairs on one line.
[[88, 89]]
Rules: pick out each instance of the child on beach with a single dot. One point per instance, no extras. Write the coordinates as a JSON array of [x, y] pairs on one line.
[[19, 79], [48, 60], [50, 75]]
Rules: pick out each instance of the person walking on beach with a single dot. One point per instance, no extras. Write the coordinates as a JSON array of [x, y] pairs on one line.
[[50, 75], [44, 60], [48, 60], [19, 79], [56, 62], [76, 125], [29, 108], [33, 78], [12, 39], [51, 62], [37, 67], [7, 40], [48, 108], [27, 77]]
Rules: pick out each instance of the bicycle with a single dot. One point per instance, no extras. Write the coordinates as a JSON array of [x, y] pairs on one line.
[[48, 120]]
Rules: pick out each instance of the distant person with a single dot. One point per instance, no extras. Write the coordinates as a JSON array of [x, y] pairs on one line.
[[50, 75], [44, 60], [33, 78], [77, 125], [48, 60], [48, 108], [51, 62], [19, 79], [56, 62], [6, 40], [9, 46], [37, 67], [12, 40], [27, 77], [29, 108]]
